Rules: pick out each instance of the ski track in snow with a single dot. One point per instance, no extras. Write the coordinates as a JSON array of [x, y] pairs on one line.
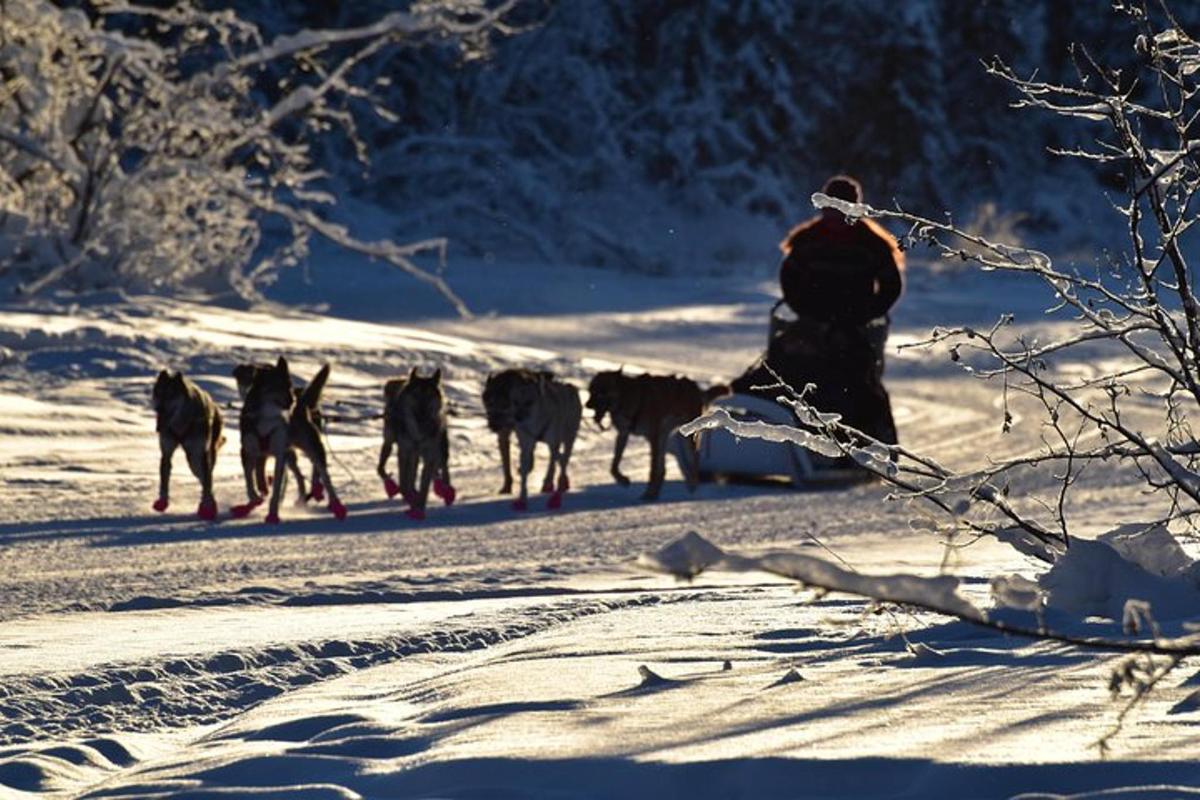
[[484, 652]]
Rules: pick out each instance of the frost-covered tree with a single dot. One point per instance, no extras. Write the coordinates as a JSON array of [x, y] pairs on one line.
[[155, 145]]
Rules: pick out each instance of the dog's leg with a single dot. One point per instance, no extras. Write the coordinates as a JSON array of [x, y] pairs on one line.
[[260, 473], [548, 481], [294, 468], [320, 462], [618, 451], [505, 441], [253, 470], [385, 452], [526, 443], [564, 459], [200, 459], [278, 445], [307, 437], [428, 455], [408, 473], [442, 486], [166, 449], [658, 466]]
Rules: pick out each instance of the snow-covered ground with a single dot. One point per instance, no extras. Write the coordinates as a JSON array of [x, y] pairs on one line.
[[483, 653]]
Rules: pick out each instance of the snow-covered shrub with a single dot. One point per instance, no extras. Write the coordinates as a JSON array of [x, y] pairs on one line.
[[151, 146]]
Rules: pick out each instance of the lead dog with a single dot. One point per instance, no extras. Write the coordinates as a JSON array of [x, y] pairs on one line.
[[188, 418], [274, 415], [414, 421], [538, 408], [653, 406]]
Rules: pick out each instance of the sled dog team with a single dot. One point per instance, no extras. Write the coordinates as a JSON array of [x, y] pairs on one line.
[[278, 420]]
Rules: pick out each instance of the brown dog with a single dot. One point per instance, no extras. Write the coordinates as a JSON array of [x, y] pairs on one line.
[[188, 418], [653, 406], [274, 416], [414, 421], [538, 408]]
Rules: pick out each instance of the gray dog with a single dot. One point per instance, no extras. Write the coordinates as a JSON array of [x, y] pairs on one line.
[[537, 407]]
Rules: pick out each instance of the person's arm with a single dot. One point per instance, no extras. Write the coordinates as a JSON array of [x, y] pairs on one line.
[[890, 270]]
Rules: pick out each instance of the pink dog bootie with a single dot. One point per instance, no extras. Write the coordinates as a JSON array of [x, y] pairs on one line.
[[338, 509], [207, 510], [445, 491], [243, 509]]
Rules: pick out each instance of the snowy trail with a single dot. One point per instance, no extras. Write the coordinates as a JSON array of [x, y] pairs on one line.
[[126, 636]]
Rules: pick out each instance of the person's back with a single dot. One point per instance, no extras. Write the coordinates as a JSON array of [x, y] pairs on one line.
[[837, 271]]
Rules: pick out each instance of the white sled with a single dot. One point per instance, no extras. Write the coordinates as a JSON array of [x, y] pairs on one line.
[[723, 455]]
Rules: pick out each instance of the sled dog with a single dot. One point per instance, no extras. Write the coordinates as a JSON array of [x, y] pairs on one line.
[[276, 421], [414, 422], [652, 406], [255, 451], [538, 408], [187, 418]]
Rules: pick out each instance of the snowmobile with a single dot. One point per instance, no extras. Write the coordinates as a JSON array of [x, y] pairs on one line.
[[846, 366]]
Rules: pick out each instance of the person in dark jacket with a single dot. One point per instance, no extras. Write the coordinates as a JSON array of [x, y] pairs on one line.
[[840, 279], [839, 271]]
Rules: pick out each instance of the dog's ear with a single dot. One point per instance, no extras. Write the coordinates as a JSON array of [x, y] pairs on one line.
[[437, 375], [621, 370], [163, 375], [412, 374]]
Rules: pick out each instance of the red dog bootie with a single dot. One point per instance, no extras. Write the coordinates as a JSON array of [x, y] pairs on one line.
[[244, 509], [564, 483], [415, 513], [555, 501], [338, 509], [160, 505], [272, 518], [444, 491], [207, 510], [547, 487], [318, 491], [391, 487]]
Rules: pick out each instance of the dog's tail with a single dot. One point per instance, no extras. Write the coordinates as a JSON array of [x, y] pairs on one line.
[[717, 392], [311, 396]]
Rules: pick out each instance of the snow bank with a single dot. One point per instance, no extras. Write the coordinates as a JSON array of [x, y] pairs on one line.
[[1136, 562]]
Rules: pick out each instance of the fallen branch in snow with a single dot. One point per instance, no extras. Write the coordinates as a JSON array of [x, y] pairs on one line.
[[692, 554]]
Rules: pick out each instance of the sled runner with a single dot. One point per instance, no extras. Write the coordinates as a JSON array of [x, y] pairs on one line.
[[723, 455]]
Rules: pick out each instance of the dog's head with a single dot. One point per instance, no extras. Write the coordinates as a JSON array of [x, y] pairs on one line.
[[273, 385], [245, 375], [424, 398], [509, 396], [169, 389], [604, 391]]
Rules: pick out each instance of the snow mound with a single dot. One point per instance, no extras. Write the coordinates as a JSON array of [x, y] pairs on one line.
[[1132, 562]]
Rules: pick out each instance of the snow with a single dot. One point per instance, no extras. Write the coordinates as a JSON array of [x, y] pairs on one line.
[[485, 654]]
